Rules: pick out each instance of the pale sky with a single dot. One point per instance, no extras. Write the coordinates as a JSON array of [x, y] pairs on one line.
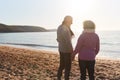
[[50, 13]]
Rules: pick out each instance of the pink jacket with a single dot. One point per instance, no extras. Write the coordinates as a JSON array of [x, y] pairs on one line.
[[87, 46]]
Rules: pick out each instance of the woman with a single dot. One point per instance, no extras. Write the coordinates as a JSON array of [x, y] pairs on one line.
[[87, 47]]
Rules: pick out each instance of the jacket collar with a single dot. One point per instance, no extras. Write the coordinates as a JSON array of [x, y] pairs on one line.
[[89, 31]]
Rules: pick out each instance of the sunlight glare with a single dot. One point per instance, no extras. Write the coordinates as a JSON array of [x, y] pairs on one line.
[[80, 10], [80, 7]]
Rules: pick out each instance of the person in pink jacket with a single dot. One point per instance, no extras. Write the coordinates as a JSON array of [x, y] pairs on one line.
[[87, 47]]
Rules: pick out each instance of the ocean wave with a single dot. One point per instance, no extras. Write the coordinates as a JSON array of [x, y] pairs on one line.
[[111, 51], [110, 43], [24, 44]]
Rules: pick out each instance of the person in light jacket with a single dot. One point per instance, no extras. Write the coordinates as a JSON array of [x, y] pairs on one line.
[[64, 36], [87, 48]]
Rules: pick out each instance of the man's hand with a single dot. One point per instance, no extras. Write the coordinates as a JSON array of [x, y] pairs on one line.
[[72, 56]]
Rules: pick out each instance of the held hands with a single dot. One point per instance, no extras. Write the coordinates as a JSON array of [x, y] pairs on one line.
[[72, 56]]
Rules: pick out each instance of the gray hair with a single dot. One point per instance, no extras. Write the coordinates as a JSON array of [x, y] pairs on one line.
[[88, 24]]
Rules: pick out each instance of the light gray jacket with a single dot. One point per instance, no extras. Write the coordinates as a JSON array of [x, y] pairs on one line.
[[64, 39]]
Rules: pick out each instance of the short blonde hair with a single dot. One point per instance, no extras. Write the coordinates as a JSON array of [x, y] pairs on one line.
[[88, 24]]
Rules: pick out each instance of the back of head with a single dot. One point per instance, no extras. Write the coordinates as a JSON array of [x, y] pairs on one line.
[[88, 24]]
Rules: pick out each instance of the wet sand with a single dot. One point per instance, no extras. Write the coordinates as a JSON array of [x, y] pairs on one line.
[[30, 64]]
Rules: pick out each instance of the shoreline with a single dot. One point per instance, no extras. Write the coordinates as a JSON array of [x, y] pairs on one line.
[[28, 64], [31, 48]]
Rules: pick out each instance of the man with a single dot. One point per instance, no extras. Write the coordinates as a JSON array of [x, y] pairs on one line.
[[64, 36]]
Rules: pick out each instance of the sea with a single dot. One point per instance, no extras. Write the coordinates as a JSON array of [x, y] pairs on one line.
[[109, 42]]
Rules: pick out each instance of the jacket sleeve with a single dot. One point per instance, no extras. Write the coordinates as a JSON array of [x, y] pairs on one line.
[[97, 46], [79, 44], [67, 38]]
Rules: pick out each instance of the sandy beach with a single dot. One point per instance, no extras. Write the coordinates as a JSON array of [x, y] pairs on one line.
[[30, 64]]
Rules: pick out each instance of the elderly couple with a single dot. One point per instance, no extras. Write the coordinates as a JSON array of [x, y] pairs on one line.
[[87, 48]]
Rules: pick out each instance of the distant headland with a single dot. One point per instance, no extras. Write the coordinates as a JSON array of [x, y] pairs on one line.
[[22, 28]]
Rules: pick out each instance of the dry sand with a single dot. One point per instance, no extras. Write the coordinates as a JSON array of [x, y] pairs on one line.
[[30, 64]]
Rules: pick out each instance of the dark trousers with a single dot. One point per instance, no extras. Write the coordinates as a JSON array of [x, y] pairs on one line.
[[89, 66], [65, 63]]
